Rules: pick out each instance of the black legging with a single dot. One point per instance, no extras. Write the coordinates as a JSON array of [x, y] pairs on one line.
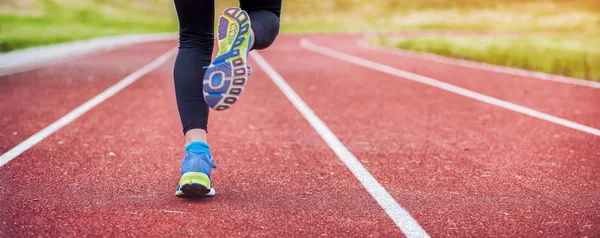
[[196, 39]]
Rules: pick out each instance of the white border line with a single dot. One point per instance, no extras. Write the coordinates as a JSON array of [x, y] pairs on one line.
[[83, 108], [305, 43], [401, 217], [477, 65], [44, 56]]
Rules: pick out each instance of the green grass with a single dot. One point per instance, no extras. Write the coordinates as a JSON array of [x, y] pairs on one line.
[[26, 23], [401, 15], [55, 21], [574, 56]]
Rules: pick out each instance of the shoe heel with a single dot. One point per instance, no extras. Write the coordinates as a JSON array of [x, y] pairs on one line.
[[195, 183]]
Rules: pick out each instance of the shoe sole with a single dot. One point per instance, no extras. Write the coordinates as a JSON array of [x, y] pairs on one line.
[[226, 77], [195, 184]]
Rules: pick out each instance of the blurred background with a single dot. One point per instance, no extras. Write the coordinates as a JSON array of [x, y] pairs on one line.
[[553, 36]]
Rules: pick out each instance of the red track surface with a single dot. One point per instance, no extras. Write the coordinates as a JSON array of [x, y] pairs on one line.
[[459, 166]]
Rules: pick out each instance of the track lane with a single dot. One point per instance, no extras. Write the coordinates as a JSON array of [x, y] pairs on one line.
[[399, 215], [461, 167], [31, 100], [276, 176], [361, 62], [572, 102]]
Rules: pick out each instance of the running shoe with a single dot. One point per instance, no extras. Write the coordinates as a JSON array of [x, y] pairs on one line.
[[195, 174], [226, 77]]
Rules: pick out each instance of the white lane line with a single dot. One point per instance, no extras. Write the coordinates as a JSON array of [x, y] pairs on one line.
[[44, 56], [83, 108], [401, 217], [480, 66], [66, 59], [445, 86]]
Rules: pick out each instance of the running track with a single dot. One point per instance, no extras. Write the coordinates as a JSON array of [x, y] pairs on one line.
[[459, 166]]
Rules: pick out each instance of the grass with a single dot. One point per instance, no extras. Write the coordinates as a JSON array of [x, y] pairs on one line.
[[571, 53], [575, 56], [55, 21], [26, 23], [481, 15]]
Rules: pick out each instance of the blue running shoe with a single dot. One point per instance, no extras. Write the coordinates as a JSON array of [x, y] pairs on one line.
[[195, 172], [226, 77]]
